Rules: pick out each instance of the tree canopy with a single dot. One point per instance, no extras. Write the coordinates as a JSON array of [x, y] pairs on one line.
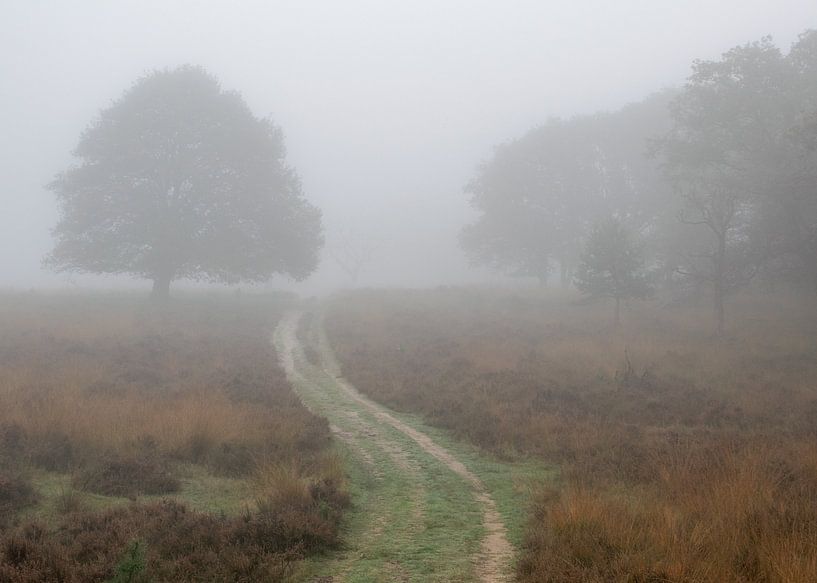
[[539, 195], [178, 179], [744, 176]]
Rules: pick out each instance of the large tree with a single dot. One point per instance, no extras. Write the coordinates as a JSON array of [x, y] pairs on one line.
[[178, 179], [739, 159]]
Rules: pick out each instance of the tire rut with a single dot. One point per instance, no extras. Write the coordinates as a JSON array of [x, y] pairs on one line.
[[493, 562]]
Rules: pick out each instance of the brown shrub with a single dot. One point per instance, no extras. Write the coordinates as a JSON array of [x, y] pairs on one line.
[[15, 493], [179, 545], [301, 511], [730, 515]]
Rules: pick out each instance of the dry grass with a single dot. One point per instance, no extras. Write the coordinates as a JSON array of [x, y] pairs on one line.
[[118, 393], [685, 457], [195, 390]]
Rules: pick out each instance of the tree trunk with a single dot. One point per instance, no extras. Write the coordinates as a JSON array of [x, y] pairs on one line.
[[719, 311], [565, 274], [718, 284], [161, 287], [618, 312]]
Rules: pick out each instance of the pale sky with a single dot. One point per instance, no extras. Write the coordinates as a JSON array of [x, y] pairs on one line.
[[387, 107]]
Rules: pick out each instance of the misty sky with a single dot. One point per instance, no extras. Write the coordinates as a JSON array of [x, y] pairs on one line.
[[387, 107]]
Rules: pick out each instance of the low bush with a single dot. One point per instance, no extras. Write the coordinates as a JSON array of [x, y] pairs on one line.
[[175, 544], [53, 451], [127, 477], [15, 493], [297, 513]]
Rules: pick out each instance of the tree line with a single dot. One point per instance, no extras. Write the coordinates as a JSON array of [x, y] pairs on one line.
[[706, 187], [710, 186]]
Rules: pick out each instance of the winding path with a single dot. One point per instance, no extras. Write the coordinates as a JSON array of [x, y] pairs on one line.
[[422, 515]]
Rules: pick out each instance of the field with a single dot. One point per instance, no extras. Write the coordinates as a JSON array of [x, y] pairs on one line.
[[683, 457], [506, 432], [145, 443]]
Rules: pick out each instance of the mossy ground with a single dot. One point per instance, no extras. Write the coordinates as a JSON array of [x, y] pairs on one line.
[[200, 490]]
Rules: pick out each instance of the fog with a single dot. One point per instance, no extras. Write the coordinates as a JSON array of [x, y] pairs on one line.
[[387, 108], [371, 290]]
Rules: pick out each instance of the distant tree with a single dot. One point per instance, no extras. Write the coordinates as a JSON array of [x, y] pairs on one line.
[[785, 169], [528, 196], [353, 252], [612, 266], [538, 196], [178, 179]]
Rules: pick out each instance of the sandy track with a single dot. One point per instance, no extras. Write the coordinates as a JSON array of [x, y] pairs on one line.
[[493, 562]]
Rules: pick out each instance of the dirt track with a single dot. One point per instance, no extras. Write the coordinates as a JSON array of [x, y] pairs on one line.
[[404, 480]]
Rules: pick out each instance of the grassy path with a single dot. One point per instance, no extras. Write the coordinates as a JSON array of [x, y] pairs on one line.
[[425, 508]]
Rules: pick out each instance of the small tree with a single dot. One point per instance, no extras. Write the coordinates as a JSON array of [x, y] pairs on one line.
[[353, 252], [612, 266], [178, 179]]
